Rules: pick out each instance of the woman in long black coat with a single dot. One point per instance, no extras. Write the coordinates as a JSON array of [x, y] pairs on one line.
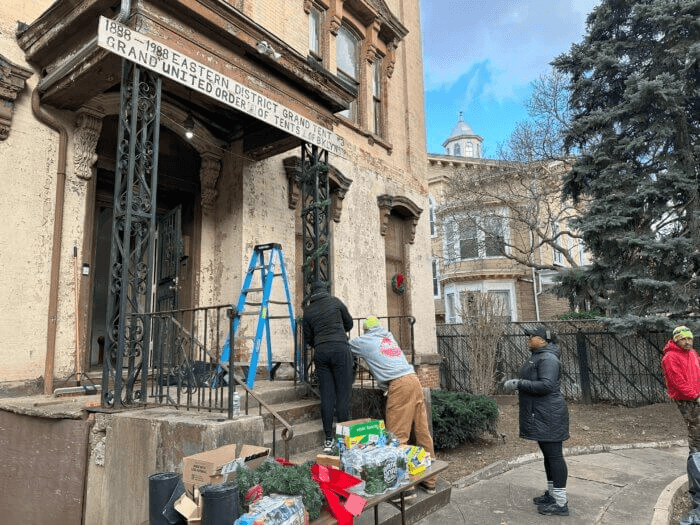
[[544, 416]]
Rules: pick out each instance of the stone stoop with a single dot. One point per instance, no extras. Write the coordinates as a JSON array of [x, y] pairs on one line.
[[298, 406]]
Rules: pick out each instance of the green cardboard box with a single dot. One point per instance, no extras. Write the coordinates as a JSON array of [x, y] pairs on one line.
[[360, 431]]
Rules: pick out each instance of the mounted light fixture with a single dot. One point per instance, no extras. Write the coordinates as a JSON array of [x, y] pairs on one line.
[[188, 124], [266, 49]]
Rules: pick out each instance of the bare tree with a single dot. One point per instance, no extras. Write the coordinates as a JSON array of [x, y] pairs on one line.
[[513, 207], [485, 320]]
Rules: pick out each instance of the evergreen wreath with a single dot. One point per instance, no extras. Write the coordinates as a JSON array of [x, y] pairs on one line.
[[398, 283]]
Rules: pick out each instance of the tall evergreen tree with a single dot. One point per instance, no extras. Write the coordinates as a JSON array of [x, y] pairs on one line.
[[634, 82]]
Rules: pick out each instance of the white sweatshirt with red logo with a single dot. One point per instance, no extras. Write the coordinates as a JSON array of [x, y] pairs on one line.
[[384, 358]]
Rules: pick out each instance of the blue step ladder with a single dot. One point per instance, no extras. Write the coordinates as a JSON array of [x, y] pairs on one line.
[[265, 259]]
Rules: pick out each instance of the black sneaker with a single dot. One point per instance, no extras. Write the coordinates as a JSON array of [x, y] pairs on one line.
[[544, 499], [328, 447], [554, 509]]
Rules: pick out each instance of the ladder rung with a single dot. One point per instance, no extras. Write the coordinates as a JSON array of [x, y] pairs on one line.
[[252, 304], [277, 302], [253, 290], [249, 313], [278, 317]]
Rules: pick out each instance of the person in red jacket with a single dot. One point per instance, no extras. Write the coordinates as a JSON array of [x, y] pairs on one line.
[[681, 366]]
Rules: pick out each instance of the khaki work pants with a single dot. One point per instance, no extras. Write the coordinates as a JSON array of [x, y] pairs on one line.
[[405, 409]]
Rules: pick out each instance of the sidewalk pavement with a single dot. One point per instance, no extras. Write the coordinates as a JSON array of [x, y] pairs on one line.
[[613, 484]]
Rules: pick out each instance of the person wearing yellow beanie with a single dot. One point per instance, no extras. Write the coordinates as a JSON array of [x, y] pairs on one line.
[[405, 404], [681, 367]]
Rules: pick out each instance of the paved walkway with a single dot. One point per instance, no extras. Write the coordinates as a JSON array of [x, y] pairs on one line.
[[612, 485]]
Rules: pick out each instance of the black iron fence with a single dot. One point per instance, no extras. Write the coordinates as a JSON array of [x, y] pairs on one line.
[[597, 365]]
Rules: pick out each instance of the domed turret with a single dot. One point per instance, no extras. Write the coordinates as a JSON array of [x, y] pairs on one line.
[[463, 142]]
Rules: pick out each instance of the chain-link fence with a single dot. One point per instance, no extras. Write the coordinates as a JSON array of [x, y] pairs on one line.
[[597, 365]]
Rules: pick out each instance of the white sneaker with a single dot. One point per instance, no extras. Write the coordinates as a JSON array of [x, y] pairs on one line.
[[328, 446]]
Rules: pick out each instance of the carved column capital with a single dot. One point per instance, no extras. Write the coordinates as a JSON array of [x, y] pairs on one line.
[[209, 172], [13, 78], [88, 126]]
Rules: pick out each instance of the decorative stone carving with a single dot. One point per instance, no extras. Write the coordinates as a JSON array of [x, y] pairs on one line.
[[335, 24], [371, 54], [404, 206], [338, 183], [88, 126], [384, 203], [391, 57], [291, 166], [12, 81], [209, 172]]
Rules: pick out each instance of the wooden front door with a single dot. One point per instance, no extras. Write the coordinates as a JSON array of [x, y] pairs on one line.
[[397, 304]]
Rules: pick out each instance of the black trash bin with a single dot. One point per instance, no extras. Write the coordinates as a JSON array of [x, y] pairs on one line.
[[219, 504], [164, 488]]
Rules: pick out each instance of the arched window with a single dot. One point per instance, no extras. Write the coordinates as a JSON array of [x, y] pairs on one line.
[[457, 150]]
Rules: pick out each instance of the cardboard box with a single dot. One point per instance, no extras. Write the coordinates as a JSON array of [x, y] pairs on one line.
[[220, 464], [189, 509], [360, 431], [328, 460]]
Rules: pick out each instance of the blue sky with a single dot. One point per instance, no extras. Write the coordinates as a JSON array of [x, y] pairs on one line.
[[480, 57]]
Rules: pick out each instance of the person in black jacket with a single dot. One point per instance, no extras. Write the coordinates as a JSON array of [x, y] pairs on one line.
[[544, 416], [326, 321]]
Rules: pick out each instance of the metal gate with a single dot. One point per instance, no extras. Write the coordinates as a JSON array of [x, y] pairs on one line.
[[597, 365]]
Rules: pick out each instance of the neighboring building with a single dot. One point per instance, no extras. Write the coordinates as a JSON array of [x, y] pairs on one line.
[[273, 70], [468, 260]]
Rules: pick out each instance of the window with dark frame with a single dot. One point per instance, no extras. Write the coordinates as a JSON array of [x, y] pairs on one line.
[[377, 96], [347, 51], [315, 25]]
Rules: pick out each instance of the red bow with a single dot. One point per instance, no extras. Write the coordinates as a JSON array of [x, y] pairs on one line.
[[333, 483]]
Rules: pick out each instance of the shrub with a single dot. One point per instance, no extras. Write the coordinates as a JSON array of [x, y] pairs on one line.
[[459, 417], [588, 314]]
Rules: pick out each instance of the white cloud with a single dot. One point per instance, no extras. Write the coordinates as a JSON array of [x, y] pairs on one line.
[[518, 39]]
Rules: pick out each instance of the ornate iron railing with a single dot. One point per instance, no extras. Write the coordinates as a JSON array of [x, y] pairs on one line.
[[187, 371]]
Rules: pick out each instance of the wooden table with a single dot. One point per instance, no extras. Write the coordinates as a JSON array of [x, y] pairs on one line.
[[435, 468]]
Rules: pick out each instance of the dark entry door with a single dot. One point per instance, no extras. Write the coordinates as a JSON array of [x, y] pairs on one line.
[[169, 256]]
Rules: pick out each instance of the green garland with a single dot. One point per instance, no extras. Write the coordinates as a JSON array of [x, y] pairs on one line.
[[274, 478]]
